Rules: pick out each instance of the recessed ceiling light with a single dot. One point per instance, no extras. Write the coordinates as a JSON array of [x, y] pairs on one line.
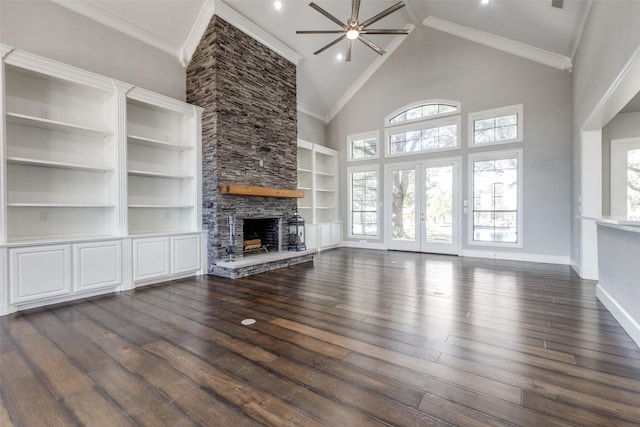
[[339, 57], [278, 5], [484, 1]]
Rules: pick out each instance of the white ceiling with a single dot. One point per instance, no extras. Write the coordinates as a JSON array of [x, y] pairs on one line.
[[532, 28]]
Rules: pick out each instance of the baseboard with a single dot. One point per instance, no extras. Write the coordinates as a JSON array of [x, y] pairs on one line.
[[575, 265], [628, 323], [362, 245], [516, 256]]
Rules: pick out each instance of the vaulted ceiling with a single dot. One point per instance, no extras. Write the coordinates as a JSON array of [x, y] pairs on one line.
[[530, 28]]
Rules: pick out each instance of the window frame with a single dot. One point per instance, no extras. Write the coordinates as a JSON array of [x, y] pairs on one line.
[[457, 104], [618, 179], [421, 125], [374, 134], [350, 171], [517, 109], [496, 155]]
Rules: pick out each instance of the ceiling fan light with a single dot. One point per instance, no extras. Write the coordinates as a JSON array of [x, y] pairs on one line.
[[353, 34]]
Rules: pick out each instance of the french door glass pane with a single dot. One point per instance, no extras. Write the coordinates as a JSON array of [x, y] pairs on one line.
[[403, 205], [439, 204], [633, 183]]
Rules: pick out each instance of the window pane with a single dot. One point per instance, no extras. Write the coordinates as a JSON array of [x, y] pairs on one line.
[[364, 205], [363, 148], [495, 200], [403, 205], [633, 183], [421, 111], [424, 139], [494, 129]]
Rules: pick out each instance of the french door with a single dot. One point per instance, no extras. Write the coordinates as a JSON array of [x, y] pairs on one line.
[[422, 206]]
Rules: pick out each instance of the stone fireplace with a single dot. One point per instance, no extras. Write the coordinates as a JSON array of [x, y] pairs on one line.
[[249, 138]]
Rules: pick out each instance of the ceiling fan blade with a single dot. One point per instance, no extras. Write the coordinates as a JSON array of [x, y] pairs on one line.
[[377, 49], [382, 14], [327, 14], [349, 49], [339, 39], [320, 32], [384, 32], [355, 9]]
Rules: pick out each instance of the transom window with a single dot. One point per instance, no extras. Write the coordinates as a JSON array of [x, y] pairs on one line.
[[497, 126], [428, 135], [363, 146], [423, 110]]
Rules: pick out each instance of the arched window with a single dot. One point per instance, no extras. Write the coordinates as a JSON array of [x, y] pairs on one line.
[[432, 125], [423, 110]]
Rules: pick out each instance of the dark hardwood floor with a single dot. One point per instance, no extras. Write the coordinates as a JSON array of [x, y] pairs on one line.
[[357, 338]]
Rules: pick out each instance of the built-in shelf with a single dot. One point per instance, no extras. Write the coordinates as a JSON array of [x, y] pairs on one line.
[[319, 181], [155, 143], [160, 206], [58, 165], [66, 228], [158, 175], [33, 121], [59, 205]]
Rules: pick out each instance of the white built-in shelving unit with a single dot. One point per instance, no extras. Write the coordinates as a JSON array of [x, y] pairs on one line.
[[162, 165], [318, 178], [91, 170]]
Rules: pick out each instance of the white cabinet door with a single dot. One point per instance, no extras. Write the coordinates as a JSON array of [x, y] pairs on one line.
[[39, 272], [150, 258], [324, 235], [185, 252], [311, 236], [97, 265], [336, 234]]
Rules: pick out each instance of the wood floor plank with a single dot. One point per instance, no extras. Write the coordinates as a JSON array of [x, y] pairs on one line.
[[26, 397], [92, 408], [257, 404], [358, 337]]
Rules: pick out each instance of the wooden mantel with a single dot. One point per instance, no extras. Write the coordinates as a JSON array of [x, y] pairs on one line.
[[245, 190]]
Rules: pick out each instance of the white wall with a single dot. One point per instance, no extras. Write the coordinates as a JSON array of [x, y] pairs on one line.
[[601, 87], [311, 129], [52, 31], [626, 125], [432, 64]]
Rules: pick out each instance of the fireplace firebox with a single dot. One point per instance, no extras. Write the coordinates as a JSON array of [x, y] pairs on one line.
[[261, 235]]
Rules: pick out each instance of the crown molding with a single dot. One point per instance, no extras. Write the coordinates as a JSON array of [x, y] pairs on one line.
[[506, 45], [222, 10], [310, 111], [4, 50], [93, 11], [368, 73], [197, 31], [52, 68]]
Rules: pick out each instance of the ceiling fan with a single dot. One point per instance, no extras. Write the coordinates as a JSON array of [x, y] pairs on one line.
[[354, 30]]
